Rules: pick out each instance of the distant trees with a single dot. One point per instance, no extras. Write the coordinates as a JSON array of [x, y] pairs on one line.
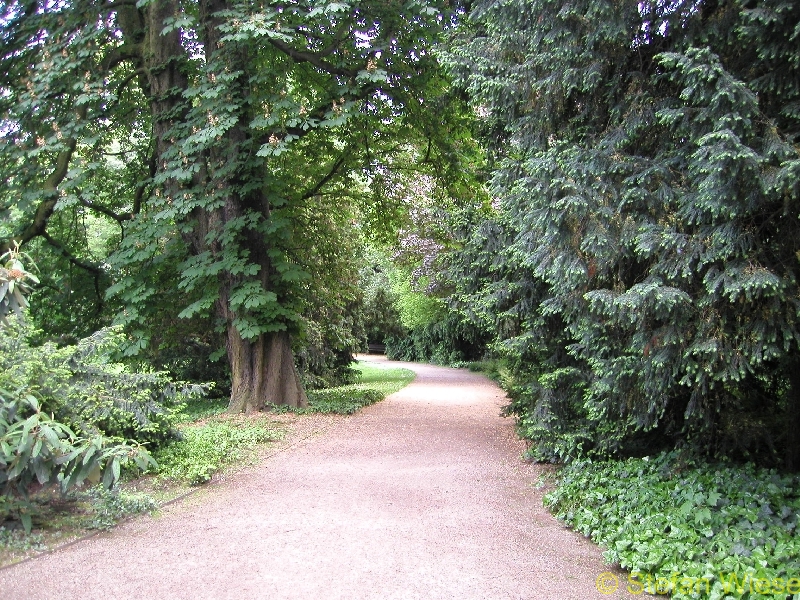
[[640, 265]]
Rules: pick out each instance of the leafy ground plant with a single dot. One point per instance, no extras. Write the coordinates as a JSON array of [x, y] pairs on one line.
[[206, 446], [373, 385], [59, 518], [690, 530]]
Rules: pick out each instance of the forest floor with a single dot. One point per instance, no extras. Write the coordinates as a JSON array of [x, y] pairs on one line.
[[421, 496]]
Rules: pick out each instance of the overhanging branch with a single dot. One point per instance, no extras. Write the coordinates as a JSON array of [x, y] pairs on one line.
[[317, 60], [94, 269], [50, 192], [331, 174], [106, 211]]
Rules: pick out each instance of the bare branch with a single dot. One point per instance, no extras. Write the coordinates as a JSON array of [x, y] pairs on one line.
[[96, 271], [106, 211], [50, 192], [331, 174]]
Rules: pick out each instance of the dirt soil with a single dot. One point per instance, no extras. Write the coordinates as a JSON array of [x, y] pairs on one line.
[[421, 496]]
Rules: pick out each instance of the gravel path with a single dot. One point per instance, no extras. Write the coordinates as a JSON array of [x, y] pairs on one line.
[[422, 496]]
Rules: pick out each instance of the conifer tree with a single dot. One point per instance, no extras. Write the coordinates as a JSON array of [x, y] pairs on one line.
[[642, 262]]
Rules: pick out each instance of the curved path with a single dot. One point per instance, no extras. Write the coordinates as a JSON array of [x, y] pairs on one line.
[[422, 496]]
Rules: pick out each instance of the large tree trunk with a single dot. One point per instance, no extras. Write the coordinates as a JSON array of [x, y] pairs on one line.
[[262, 369], [263, 373]]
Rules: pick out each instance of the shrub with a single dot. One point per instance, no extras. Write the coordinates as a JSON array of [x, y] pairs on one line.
[[664, 519], [641, 248], [85, 387], [36, 448], [15, 284], [343, 400], [204, 448]]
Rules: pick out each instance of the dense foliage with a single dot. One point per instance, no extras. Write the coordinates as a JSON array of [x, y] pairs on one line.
[[85, 387], [640, 262], [380, 316], [227, 152], [446, 340], [205, 447], [688, 530], [37, 448]]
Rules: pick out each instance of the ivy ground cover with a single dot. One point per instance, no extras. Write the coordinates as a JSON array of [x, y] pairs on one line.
[[686, 529]]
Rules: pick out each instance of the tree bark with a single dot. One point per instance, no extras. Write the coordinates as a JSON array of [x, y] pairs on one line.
[[263, 373], [262, 369]]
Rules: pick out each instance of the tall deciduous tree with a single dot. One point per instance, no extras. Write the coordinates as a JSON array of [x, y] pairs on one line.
[[227, 128], [648, 184]]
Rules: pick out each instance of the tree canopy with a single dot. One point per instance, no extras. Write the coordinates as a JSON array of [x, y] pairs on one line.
[[231, 143], [207, 171]]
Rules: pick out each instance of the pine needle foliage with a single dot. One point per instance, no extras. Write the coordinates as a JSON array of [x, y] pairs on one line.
[[641, 261]]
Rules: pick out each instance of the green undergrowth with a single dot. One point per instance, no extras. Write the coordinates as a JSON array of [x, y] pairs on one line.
[[209, 442], [207, 446], [492, 367], [58, 518], [210, 439], [695, 530], [344, 400], [373, 384], [198, 411]]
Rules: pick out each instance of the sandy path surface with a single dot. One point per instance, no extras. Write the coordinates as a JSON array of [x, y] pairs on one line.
[[422, 496]]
